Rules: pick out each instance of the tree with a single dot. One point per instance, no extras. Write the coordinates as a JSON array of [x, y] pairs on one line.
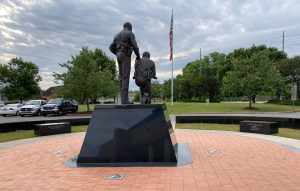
[[137, 96], [104, 63], [272, 53], [167, 89], [178, 89], [87, 77], [252, 75], [201, 79], [156, 89], [20, 79], [191, 81], [108, 84], [290, 70]]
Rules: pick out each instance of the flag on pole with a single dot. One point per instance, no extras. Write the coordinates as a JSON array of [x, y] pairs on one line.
[[171, 55], [171, 38]]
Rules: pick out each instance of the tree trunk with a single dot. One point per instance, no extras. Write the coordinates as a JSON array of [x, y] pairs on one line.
[[250, 102], [278, 95], [87, 104], [253, 98], [210, 98]]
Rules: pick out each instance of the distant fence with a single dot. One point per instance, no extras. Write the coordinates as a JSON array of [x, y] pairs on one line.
[[245, 98]]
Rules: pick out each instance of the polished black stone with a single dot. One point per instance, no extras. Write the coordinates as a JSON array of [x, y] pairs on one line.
[[184, 158], [262, 127], [52, 128], [129, 135]]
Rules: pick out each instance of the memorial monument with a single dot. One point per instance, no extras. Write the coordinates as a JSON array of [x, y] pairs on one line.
[[127, 134]]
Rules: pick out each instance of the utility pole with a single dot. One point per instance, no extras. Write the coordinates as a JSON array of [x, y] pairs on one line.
[[200, 62], [283, 40], [200, 55]]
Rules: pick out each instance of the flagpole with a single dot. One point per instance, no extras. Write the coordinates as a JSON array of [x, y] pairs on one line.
[[172, 83]]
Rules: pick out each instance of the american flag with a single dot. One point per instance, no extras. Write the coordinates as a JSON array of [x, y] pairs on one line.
[[171, 38]]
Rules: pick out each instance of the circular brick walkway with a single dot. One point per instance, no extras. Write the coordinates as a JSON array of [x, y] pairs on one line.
[[220, 162]]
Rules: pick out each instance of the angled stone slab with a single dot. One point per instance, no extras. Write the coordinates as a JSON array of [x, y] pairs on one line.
[[129, 135]]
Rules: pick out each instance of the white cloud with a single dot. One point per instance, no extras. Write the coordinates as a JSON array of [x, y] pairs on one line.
[[48, 32], [5, 57], [168, 74], [48, 79]]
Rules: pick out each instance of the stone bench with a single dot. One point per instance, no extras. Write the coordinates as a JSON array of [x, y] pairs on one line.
[[262, 127], [52, 128]]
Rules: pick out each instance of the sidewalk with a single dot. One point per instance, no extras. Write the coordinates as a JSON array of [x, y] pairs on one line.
[[221, 161]]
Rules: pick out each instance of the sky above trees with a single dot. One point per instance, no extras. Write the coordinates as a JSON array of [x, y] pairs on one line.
[[48, 32]]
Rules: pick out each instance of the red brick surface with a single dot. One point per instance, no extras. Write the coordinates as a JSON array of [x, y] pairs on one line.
[[243, 164]]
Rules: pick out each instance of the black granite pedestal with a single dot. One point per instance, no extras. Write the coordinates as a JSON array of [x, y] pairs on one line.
[[129, 135]]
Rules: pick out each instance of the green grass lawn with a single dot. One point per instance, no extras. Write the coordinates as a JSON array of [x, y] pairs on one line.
[[12, 136], [282, 132], [83, 108], [226, 107], [81, 128], [24, 134]]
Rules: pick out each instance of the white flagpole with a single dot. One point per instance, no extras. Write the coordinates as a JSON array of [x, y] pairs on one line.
[[172, 83]]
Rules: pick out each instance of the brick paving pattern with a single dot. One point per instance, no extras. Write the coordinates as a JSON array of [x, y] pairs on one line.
[[243, 163]]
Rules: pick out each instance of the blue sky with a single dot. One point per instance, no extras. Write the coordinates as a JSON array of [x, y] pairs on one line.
[[48, 32]]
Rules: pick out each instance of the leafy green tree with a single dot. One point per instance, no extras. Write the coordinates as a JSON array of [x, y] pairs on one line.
[[252, 75], [137, 97], [87, 77], [167, 89], [20, 79], [272, 53], [108, 81], [201, 79], [103, 62], [290, 70], [192, 79], [178, 89], [156, 89], [108, 84]]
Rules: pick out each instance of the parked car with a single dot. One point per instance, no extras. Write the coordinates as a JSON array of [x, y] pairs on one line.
[[32, 107], [58, 106], [75, 103], [10, 109]]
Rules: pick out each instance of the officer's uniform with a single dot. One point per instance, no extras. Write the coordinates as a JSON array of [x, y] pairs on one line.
[[123, 44], [144, 72]]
